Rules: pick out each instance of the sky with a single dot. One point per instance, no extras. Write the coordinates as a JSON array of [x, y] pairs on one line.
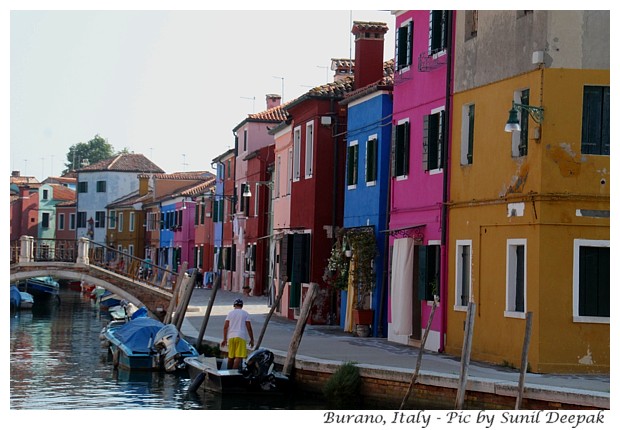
[[171, 85]]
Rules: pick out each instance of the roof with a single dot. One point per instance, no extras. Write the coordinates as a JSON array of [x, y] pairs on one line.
[[198, 176], [386, 82], [60, 180], [224, 156], [275, 114], [131, 199], [124, 163], [62, 193], [66, 203], [327, 91]]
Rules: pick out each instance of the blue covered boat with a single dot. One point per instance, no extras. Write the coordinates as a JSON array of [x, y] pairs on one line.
[[147, 344], [20, 299], [43, 287]]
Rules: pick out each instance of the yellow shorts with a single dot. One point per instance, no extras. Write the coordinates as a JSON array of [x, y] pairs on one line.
[[237, 348]]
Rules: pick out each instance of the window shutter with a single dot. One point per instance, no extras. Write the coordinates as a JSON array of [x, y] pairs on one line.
[[425, 127], [371, 160], [409, 42], [393, 150], [440, 135], [422, 272], [406, 128]]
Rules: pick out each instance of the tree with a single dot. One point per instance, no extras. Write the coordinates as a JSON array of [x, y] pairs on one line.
[[82, 154]]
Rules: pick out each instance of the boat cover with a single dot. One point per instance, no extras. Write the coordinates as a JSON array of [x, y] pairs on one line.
[[138, 335]]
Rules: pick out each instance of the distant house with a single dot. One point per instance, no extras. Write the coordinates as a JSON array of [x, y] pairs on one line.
[[223, 204], [66, 249], [24, 202], [100, 184], [254, 157], [50, 195]]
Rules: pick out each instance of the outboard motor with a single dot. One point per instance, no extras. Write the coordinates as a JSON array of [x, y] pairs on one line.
[[166, 341], [258, 369]]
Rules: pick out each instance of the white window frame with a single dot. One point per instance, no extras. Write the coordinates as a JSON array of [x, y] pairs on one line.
[[132, 221], [256, 191], [371, 138], [354, 185], [112, 220], [460, 244], [278, 176], [121, 218], [465, 133], [408, 66], [578, 243], [511, 277], [309, 148], [406, 175], [289, 169], [436, 111], [297, 153], [61, 221]]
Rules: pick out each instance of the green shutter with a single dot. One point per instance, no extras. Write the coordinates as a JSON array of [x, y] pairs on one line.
[[406, 141], [393, 150]]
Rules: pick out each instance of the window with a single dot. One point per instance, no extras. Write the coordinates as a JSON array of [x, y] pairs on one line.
[[229, 169], [45, 220], [132, 221], [400, 149], [278, 170], [130, 251], [352, 165], [371, 160], [433, 140], [112, 223], [61, 221], [591, 279], [595, 121], [438, 31], [467, 134], [99, 219], [45, 195], [404, 45], [471, 24], [289, 182], [244, 202], [101, 186], [82, 187], [519, 139], [309, 148], [245, 140], [256, 190], [429, 258], [516, 277], [296, 153], [81, 220], [121, 217], [72, 221], [463, 274]]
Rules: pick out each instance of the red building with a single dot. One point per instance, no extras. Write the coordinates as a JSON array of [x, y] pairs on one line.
[[24, 203]]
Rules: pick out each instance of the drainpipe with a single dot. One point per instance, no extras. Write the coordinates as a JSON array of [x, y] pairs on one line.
[[333, 300], [444, 207]]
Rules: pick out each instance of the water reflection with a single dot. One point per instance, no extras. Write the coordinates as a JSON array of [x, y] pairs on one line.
[[57, 362]]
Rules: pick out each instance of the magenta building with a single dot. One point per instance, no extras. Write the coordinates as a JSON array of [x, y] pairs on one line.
[[417, 227]]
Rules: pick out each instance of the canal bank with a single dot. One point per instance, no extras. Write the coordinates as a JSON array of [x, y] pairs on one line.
[[387, 368]]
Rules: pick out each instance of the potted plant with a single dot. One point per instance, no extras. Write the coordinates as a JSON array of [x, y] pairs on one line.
[[337, 270]]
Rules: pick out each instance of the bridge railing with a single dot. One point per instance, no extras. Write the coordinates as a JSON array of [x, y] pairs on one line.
[[137, 269], [61, 250]]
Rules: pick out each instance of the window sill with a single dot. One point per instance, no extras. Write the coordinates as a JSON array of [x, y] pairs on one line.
[[351, 187], [435, 172], [402, 178], [513, 314], [591, 320], [371, 183], [460, 308]]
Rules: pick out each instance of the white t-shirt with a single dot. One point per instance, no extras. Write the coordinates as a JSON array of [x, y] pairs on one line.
[[236, 323]]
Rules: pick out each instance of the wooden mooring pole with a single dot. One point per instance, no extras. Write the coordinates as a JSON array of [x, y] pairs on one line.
[[466, 353], [524, 354], [179, 314], [419, 361], [275, 305], [299, 329]]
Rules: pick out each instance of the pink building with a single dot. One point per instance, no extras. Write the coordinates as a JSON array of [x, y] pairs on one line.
[[422, 78]]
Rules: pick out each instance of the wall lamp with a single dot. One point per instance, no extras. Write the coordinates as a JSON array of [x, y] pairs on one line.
[[513, 120], [248, 193]]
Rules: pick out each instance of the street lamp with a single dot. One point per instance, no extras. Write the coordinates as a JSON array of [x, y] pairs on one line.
[[513, 120]]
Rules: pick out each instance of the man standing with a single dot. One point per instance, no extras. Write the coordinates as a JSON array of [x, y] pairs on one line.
[[237, 328]]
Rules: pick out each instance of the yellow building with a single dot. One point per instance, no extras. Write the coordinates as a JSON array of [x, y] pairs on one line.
[[529, 215]]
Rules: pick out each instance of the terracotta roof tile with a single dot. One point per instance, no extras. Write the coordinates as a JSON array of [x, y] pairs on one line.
[[198, 176], [124, 163], [386, 81], [63, 193]]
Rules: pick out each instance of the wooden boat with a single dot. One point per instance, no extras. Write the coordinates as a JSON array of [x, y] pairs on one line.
[[147, 344], [256, 375]]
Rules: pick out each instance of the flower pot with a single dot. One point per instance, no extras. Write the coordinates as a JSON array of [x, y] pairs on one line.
[[362, 316]]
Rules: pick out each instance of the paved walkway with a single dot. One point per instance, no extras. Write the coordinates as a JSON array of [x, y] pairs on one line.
[[331, 343]]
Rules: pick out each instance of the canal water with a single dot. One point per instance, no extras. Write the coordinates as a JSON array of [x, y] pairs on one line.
[[57, 363]]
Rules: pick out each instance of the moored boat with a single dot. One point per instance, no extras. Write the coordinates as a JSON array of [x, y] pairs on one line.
[[256, 374], [41, 288], [147, 344]]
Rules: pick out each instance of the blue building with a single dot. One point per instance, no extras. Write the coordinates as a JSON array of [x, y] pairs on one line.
[[367, 180]]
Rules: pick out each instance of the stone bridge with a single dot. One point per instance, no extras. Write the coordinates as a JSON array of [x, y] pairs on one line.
[[156, 298]]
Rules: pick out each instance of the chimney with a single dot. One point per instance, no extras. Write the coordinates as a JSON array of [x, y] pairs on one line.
[[273, 100], [369, 40], [15, 173], [143, 184], [342, 68]]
